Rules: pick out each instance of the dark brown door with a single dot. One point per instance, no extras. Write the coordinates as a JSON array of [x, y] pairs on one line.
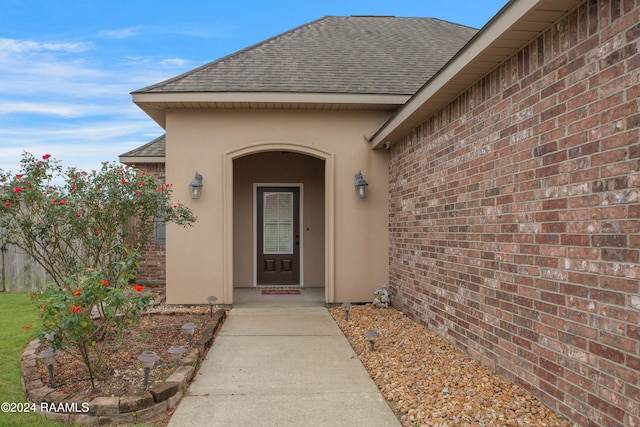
[[278, 240]]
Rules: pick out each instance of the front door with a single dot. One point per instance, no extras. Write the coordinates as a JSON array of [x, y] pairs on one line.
[[278, 235]]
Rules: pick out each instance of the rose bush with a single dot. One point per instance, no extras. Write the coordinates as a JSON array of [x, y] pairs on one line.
[[87, 230], [72, 220], [76, 318]]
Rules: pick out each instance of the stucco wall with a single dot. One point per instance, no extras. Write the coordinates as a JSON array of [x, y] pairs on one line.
[[515, 217], [198, 264]]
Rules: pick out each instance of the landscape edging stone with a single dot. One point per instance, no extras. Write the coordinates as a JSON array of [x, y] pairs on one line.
[[106, 410]]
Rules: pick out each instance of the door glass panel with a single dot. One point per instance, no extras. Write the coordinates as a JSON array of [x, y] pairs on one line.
[[278, 223]]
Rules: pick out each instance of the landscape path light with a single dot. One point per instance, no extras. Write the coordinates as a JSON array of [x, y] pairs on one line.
[[147, 360], [347, 307], [212, 300], [176, 353], [189, 329], [48, 358], [372, 335]]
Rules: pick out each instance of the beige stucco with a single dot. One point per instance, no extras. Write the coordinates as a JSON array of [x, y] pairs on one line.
[[346, 244]]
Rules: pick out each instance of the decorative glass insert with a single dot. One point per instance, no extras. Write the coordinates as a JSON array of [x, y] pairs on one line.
[[278, 223]]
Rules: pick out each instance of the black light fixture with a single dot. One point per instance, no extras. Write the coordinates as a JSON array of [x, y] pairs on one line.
[[196, 186], [48, 358], [189, 329], [212, 300], [361, 186], [176, 353], [372, 335], [147, 360], [347, 307]]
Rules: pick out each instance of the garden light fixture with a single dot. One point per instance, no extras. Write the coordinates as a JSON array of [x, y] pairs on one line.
[[189, 329], [147, 360], [372, 335], [212, 300], [361, 186], [195, 187], [176, 353], [48, 358], [347, 307]]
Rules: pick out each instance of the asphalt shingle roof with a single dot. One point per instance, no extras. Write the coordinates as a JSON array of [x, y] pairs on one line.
[[155, 148], [346, 55]]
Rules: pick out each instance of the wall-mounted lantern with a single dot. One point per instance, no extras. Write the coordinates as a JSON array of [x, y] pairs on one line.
[[196, 186], [361, 186]]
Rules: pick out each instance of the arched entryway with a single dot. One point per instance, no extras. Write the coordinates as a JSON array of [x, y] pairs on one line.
[[293, 176]]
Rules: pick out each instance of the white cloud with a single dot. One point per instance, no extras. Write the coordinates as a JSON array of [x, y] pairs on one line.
[[122, 33], [22, 46]]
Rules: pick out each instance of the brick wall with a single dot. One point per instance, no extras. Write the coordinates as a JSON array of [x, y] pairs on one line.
[[515, 217], [153, 263]]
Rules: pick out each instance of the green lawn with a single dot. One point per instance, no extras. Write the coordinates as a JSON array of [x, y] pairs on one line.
[[19, 318]]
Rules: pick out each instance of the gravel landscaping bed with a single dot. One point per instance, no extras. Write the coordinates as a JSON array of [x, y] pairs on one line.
[[428, 382]]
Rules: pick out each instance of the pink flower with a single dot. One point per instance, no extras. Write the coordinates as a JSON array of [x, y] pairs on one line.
[[46, 156], [7, 204], [17, 190], [18, 176], [63, 202], [78, 215], [98, 232], [124, 181], [138, 193], [141, 184], [73, 186]]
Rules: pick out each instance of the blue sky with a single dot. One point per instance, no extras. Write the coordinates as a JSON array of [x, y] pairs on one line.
[[67, 67]]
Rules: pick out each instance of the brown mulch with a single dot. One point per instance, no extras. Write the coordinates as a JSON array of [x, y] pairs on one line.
[[155, 332], [428, 382]]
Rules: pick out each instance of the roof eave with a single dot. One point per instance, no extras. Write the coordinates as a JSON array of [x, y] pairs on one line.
[[135, 160], [157, 103], [512, 28]]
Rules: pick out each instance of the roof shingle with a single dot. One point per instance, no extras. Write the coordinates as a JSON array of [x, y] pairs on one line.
[[346, 55]]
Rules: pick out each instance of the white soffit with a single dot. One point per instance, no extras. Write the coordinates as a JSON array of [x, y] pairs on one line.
[[156, 104], [513, 27]]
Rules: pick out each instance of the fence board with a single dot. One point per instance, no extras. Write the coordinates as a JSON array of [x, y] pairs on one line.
[[19, 272]]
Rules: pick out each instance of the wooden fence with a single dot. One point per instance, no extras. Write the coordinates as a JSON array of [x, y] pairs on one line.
[[19, 272]]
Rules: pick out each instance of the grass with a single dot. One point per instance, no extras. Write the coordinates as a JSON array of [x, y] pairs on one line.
[[19, 319]]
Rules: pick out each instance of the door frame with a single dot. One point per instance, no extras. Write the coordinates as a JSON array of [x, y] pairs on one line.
[[300, 187]]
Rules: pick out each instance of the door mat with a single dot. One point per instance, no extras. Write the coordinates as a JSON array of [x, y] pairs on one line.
[[281, 292]]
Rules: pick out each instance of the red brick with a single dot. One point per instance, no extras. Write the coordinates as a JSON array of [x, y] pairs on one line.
[[546, 223]]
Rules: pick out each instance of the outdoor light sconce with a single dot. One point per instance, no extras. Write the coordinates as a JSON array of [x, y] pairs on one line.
[[189, 329], [372, 335], [176, 353], [48, 358], [196, 186], [212, 300], [347, 307], [361, 186], [147, 360]]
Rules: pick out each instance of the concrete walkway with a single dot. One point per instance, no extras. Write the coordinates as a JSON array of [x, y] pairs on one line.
[[282, 366]]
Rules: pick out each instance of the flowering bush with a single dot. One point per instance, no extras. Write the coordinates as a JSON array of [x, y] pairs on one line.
[[80, 315], [73, 220], [87, 230]]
